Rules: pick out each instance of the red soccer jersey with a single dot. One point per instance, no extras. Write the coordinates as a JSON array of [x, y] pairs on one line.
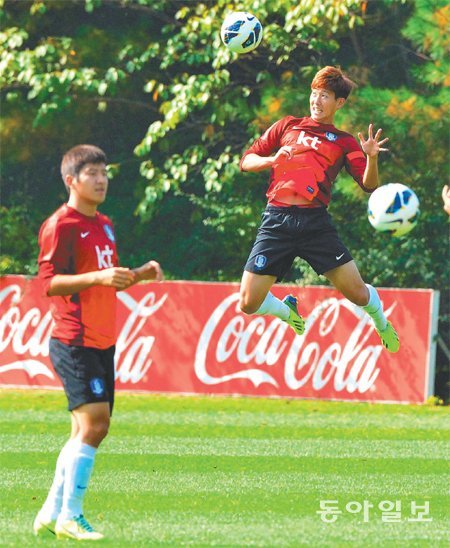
[[72, 243], [320, 152]]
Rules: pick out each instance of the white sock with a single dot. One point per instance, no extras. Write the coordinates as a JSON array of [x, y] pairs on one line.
[[273, 306], [52, 505], [79, 464], [375, 309]]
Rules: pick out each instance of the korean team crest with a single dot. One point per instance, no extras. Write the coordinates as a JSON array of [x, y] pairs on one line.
[[331, 136], [260, 261], [97, 386], [109, 232]]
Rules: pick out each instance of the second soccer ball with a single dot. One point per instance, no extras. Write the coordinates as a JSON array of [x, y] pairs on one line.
[[393, 208], [241, 32]]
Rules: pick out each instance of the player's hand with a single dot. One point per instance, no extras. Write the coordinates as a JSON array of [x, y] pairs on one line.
[[284, 153], [372, 146], [446, 198], [118, 277], [150, 271]]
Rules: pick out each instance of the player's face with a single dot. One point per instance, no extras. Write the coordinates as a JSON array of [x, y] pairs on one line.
[[323, 105], [90, 185]]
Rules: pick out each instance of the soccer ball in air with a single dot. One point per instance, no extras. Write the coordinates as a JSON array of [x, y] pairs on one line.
[[241, 32], [393, 208]]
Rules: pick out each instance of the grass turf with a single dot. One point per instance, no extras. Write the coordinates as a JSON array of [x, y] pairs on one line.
[[227, 471]]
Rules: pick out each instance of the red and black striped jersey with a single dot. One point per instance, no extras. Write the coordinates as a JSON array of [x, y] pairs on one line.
[[72, 243], [319, 153]]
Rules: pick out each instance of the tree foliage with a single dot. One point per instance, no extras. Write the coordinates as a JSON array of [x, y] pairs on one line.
[[150, 82]]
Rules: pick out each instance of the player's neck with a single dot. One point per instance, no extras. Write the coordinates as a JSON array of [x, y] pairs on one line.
[[329, 121], [82, 207]]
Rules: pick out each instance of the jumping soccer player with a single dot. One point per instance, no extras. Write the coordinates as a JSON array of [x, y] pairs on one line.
[[305, 156], [78, 267]]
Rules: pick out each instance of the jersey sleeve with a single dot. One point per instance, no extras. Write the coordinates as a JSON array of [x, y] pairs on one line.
[[355, 162], [55, 252], [269, 140]]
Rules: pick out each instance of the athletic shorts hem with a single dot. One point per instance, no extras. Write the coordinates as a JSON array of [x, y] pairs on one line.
[[259, 273], [335, 265], [74, 404]]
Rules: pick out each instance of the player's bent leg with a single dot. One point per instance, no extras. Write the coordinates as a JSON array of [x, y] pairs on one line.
[[348, 281], [254, 289], [257, 299]]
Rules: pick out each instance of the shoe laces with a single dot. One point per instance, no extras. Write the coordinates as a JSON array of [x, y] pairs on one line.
[[82, 521]]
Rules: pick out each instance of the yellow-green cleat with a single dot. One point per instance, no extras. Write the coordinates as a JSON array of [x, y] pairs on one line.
[[43, 527], [76, 528], [295, 320], [389, 338]]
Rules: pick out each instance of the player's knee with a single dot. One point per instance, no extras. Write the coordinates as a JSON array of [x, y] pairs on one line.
[[359, 296], [247, 305], [102, 429], [248, 308], [96, 432]]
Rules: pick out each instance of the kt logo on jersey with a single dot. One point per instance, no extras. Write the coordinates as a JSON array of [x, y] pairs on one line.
[[308, 141], [104, 257]]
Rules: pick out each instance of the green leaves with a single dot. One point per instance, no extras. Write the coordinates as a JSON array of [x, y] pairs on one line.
[[152, 81], [428, 28], [19, 241], [13, 38]]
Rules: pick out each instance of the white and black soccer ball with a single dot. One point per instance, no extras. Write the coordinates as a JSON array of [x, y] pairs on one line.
[[393, 208], [241, 32]]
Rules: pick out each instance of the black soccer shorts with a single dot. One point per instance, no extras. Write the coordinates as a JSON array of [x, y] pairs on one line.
[[87, 374], [289, 232]]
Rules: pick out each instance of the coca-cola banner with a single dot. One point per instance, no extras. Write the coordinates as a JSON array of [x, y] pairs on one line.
[[190, 337]]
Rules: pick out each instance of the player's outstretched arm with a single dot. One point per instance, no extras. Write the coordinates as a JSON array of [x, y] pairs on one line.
[[68, 284], [372, 146]]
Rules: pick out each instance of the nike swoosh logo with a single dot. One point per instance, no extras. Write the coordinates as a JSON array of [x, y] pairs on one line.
[[84, 234], [340, 256], [80, 487]]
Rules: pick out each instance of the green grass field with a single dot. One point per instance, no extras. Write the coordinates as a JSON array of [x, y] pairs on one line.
[[226, 471]]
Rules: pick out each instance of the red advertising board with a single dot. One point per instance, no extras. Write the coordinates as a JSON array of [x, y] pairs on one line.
[[190, 337]]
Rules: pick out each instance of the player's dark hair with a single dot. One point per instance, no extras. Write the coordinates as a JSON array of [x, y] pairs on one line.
[[77, 157], [333, 79]]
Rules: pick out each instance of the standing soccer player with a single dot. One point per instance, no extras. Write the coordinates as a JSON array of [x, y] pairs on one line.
[[78, 267], [305, 156]]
